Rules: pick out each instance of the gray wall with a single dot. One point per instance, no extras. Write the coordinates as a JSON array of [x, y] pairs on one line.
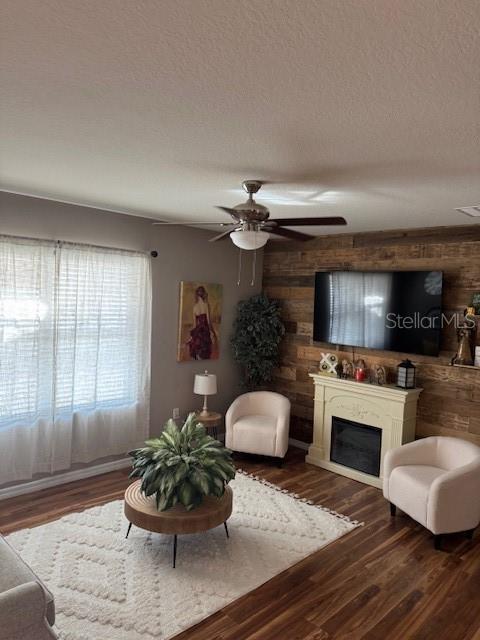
[[183, 254]]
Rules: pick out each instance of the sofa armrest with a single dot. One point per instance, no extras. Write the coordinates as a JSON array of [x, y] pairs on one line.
[[417, 452], [22, 614], [454, 500]]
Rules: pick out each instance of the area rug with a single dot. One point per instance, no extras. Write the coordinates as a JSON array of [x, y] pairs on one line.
[[110, 588]]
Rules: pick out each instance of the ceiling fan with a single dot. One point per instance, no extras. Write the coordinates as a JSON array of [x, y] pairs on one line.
[[252, 224]]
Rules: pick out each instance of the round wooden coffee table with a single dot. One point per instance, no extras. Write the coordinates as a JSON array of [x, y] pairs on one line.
[[142, 512]]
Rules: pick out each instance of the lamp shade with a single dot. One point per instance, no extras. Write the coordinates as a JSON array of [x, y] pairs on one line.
[[205, 384], [249, 240]]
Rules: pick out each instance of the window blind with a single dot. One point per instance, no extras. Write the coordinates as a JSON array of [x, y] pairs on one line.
[[98, 342], [27, 283]]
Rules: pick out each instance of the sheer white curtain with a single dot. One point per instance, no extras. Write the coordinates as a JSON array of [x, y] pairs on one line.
[[74, 354], [359, 304]]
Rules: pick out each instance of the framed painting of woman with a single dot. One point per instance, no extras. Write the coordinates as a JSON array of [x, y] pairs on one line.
[[200, 316]]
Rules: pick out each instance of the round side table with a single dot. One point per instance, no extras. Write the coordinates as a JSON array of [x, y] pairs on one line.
[[210, 422]]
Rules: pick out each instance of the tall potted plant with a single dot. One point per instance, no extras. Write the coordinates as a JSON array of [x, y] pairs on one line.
[[183, 465], [257, 333]]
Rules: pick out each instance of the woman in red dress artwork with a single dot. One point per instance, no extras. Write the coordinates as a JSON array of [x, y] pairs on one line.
[[202, 334]]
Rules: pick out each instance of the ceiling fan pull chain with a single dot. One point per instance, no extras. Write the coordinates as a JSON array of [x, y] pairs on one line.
[[239, 278], [254, 264]]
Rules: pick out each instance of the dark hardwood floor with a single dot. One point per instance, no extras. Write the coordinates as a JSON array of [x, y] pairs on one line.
[[382, 581]]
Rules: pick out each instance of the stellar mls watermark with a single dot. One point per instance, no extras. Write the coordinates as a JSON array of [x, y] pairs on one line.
[[419, 321]]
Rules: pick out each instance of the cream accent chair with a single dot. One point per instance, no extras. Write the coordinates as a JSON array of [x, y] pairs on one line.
[[436, 481], [258, 422]]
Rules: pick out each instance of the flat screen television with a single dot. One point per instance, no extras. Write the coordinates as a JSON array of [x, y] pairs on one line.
[[385, 310]]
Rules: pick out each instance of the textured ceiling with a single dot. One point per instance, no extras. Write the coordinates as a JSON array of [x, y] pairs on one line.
[[368, 109]]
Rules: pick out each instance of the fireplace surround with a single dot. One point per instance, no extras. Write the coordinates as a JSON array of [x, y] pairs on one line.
[[355, 423]]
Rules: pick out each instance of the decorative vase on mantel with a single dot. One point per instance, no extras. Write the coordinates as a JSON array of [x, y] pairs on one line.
[[464, 353]]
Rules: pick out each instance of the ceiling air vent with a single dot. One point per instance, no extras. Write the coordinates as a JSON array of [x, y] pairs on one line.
[[473, 212]]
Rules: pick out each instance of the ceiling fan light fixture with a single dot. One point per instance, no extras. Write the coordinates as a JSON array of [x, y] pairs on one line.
[[249, 240]]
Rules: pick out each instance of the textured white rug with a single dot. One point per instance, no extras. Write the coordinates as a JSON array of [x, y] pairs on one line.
[[110, 588]]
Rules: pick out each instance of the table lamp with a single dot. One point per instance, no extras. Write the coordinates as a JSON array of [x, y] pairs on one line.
[[205, 385]]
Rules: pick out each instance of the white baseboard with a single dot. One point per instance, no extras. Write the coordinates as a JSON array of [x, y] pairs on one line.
[[299, 444], [63, 478]]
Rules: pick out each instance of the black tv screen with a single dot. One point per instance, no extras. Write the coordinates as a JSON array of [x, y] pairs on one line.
[[385, 310]]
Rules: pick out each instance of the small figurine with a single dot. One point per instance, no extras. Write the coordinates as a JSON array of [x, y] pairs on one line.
[[380, 375], [347, 369]]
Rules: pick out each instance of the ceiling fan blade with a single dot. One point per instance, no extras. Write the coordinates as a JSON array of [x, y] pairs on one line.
[[193, 222], [221, 236], [289, 233], [231, 212], [314, 222]]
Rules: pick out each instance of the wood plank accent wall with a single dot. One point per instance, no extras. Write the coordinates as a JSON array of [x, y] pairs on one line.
[[450, 403]]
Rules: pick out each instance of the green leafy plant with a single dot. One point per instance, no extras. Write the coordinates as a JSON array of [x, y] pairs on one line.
[[257, 333], [183, 465]]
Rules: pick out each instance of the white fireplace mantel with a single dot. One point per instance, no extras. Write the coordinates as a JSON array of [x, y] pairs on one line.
[[387, 407]]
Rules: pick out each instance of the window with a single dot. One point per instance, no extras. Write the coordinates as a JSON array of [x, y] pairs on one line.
[[99, 304], [74, 337]]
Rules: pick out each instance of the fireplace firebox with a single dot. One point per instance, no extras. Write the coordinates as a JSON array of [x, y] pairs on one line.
[[356, 445]]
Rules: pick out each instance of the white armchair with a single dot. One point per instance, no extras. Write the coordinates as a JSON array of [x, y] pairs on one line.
[[258, 422], [436, 481]]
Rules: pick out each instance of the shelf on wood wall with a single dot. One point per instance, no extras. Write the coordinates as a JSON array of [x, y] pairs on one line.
[[466, 366]]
